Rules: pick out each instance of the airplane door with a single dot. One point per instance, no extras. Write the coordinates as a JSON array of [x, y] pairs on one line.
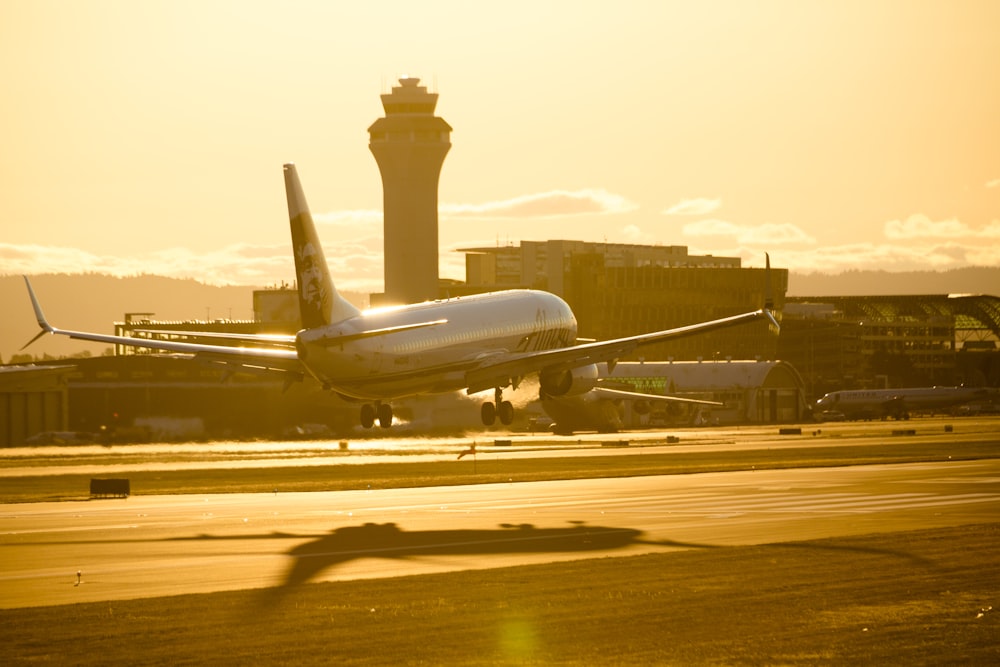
[[378, 357]]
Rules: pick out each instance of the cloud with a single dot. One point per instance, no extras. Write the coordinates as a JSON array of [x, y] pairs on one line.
[[892, 257], [634, 234], [350, 219], [916, 243], [694, 207], [553, 204], [355, 260], [766, 234], [356, 266], [920, 226]]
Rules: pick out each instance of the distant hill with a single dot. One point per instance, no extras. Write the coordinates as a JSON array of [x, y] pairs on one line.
[[972, 280]]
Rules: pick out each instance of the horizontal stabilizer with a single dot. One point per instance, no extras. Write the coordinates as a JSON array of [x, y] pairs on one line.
[[370, 333], [262, 339]]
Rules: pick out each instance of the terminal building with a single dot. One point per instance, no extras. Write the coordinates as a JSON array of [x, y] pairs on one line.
[[33, 400], [874, 342]]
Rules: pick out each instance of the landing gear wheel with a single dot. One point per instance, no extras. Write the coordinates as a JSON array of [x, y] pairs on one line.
[[384, 415], [506, 413], [367, 415], [489, 414]]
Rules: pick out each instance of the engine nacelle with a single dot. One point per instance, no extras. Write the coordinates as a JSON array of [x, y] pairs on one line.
[[569, 382]]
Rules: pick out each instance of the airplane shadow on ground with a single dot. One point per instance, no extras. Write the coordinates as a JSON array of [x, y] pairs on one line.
[[388, 540]]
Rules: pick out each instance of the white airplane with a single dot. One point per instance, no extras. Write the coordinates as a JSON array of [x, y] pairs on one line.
[[897, 403], [479, 342]]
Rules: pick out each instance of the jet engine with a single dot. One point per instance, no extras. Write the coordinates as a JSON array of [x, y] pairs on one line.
[[569, 382]]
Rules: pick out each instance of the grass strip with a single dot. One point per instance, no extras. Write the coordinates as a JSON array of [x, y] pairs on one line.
[[489, 468]]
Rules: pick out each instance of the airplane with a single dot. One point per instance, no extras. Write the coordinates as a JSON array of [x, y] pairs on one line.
[[896, 403], [476, 343]]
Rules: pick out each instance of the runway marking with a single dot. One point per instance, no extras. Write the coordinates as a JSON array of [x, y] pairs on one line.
[[69, 529], [698, 504], [951, 480]]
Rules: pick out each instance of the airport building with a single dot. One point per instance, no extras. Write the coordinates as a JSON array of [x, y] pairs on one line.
[[752, 392], [33, 400], [164, 397], [545, 264], [710, 393], [872, 342], [276, 311]]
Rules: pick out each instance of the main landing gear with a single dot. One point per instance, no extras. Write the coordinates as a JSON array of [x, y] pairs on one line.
[[500, 408], [380, 411]]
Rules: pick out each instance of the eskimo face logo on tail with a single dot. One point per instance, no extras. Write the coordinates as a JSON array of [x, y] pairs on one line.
[[315, 299], [319, 302]]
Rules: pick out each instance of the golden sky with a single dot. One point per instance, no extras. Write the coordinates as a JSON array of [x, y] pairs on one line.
[[149, 136]]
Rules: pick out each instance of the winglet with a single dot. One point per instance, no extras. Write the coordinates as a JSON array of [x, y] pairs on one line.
[[769, 294], [39, 315]]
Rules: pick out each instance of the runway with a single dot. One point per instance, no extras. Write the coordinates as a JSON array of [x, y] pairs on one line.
[[149, 546]]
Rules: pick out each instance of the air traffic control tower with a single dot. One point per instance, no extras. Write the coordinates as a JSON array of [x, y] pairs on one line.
[[409, 145]]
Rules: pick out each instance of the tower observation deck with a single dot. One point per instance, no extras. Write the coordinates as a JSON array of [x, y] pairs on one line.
[[409, 144]]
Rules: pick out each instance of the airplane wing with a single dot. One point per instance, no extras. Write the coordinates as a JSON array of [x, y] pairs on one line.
[[501, 370], [251, 359]]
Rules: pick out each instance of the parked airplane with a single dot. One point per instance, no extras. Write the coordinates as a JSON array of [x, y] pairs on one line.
[[479, 342], [897, 403]]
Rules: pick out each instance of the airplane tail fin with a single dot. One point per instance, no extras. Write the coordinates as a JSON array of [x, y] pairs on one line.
[[319, 301]]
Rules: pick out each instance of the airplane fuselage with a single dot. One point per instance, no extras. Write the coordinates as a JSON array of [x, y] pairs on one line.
[[435, 357], [897, 403]]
